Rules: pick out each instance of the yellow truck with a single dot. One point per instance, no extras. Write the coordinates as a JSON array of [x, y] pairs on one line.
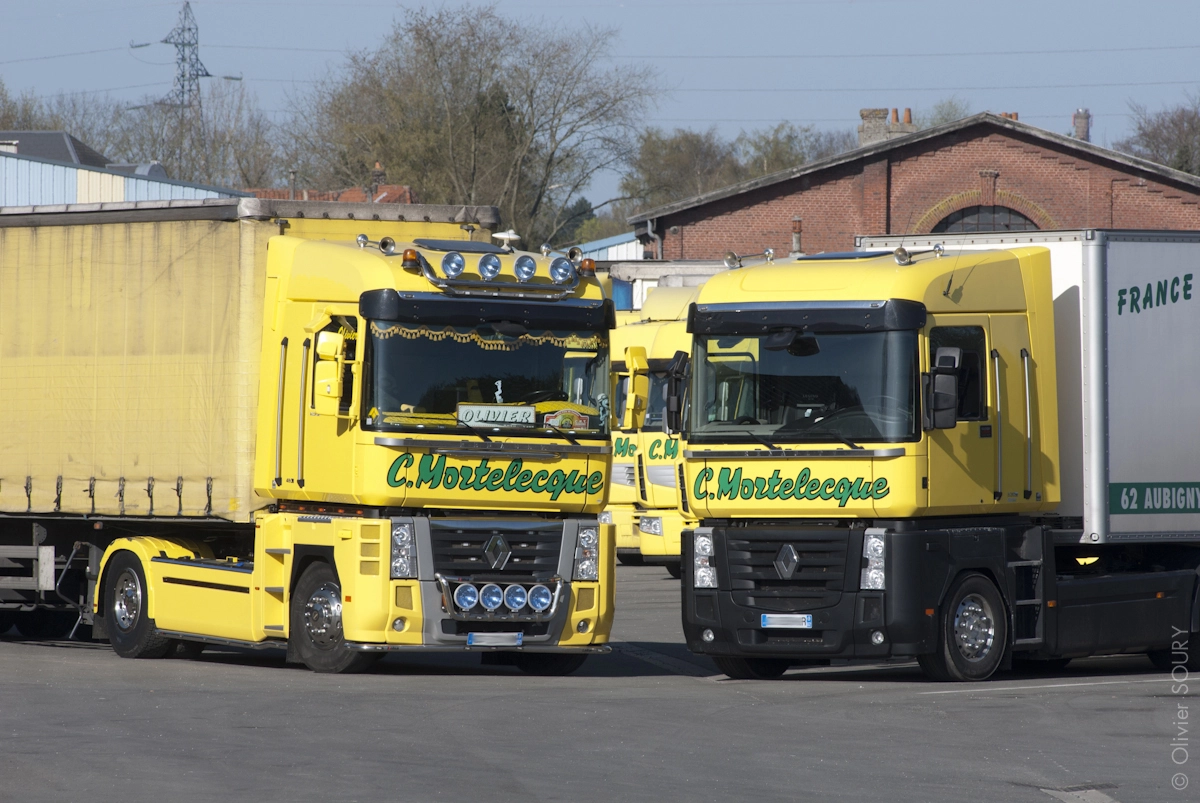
[[343, 430], [961, 454], [646, 459]]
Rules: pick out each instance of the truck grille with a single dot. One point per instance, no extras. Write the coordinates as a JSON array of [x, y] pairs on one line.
[[815, 582], [466, 548]]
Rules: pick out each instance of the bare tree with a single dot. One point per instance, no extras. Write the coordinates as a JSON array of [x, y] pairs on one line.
[[471, 108], [1170, 137], [769, 150], [946, 110]]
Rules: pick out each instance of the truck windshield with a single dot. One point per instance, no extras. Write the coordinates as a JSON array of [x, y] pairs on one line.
[[446, 378], [793, 387], [657, 401]]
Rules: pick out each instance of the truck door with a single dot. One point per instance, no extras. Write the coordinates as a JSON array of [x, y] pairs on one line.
[[962, 460], [1010, 368]]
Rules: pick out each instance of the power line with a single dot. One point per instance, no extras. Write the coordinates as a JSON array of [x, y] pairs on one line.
[[743, 90], [859, 56], [63, 55]]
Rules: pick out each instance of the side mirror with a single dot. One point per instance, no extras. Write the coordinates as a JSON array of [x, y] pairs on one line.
[[327, 375], [638, 391], [677, 376], [944, 401]]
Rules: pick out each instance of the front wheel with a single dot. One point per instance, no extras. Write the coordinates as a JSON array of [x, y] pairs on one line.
[[316, 624], [752, 668], [130, 629], [973, 632], [675, 570]]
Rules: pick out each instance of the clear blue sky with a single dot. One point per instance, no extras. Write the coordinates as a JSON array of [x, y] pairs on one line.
[[730, 64]]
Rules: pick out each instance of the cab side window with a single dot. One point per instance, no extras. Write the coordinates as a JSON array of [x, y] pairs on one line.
[[972, 380]]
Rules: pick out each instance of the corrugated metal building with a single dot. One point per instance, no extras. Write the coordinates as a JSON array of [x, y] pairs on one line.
[[31, 181], [620, 248]]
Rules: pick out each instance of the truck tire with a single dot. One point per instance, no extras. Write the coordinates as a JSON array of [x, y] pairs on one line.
[[130, 630], [973, 632], [42, 624], [547, 663], [675, 570], [1166, 660], [7, 620], [752, 668], [628, 559], [316, 624]]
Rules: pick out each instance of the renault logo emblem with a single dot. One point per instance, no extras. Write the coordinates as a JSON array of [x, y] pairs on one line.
[[496, 552], [786, 562]]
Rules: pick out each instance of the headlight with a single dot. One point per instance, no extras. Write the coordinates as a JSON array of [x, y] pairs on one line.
[[606, 517], [453, 264], [873, 577], [491, 596], [704, 574], [404, 552], [561, 270], [540, 598], [524, 267], [652, 525], [489, 266], [515, 597], [465, 596], [587, 555]]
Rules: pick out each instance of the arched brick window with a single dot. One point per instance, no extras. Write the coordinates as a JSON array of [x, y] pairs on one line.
[[985, 218]]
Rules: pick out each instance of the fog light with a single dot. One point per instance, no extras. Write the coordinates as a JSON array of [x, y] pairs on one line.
[[708, 636], [491, 596], [453, 264], [465, 596], [489, 266], [561, 270], [398, 624], [876, 637], [583, 625], [524, 267], [515, 597], [540, 598]]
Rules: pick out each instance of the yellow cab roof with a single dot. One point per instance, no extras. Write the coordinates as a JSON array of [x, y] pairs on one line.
[[668, 303], [966, 281]]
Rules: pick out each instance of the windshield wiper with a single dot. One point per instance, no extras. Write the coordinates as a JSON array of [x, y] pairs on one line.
[[474, 432], [762, 440], [570, 438]]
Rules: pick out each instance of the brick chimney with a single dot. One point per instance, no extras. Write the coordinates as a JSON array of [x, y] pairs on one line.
[[876, 127], [1082, 123]]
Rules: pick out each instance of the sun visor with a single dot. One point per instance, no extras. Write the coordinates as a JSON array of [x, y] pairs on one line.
[[389, 305], [806, 316]]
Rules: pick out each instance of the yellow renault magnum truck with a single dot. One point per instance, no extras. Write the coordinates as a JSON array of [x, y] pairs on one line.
[[966, 457], [255, 427], [644, 498]]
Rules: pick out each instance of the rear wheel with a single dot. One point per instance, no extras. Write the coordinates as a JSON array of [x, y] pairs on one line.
[[752, 668], [548, 663], [130, 630], [973, 632], [316, 624]]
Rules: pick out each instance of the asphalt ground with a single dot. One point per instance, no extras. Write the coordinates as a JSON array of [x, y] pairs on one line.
[[648, 722]]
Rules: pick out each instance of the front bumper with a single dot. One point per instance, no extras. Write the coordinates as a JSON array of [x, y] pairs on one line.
[[843, 623]]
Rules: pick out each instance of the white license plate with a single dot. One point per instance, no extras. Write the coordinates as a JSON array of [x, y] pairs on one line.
[[801, 621], [494, 639]]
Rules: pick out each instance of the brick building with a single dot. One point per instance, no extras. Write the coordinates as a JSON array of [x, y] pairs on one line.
[[982, 173]]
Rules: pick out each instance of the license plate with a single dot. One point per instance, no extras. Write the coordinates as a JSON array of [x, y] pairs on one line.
[[494, 639], [801, 621]]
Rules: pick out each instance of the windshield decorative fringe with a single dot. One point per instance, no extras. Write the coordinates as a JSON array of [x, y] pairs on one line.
[[491, 341]]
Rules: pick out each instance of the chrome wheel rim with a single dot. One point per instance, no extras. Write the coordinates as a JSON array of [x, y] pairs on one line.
[[974, 628], [323, 616], [127, 599]]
